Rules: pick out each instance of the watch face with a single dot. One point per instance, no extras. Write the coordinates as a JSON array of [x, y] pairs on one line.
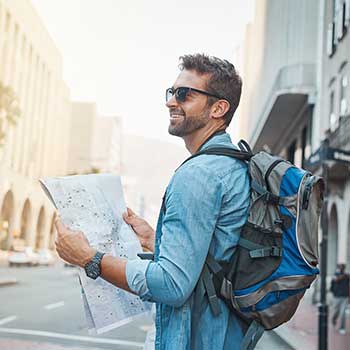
[[92, 270]]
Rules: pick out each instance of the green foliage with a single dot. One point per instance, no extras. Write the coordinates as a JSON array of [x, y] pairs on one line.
[[9, 111]]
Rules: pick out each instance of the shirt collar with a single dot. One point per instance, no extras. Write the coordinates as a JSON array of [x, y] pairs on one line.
[[220, 139]]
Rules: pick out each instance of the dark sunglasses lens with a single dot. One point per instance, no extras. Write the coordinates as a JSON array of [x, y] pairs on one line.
[[181, 94], [169, 94]]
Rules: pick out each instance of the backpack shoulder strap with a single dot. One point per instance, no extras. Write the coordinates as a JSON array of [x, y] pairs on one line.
[[221, 151], [252, 336]]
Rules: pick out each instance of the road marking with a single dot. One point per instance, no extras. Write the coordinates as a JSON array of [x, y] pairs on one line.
[[71, 337], [146, 328], [8, 319], [54, 306]]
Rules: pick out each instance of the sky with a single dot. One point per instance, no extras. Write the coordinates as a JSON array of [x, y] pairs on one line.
[[124, 54]]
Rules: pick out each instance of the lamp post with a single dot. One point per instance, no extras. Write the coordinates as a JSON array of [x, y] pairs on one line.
[[323, 156], [323, 306]]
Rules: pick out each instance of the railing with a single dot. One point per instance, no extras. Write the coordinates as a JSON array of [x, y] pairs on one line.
[[295, 76], [340, 137], [298, 77]]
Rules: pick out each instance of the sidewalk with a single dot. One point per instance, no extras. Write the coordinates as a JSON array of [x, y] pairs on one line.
[[301, 332], [5, 280], [12, 344], [3, 258]]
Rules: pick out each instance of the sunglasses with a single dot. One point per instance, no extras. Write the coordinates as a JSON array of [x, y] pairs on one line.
[[182, 92]]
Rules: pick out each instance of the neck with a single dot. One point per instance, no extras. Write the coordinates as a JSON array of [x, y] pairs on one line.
[[196, 139]]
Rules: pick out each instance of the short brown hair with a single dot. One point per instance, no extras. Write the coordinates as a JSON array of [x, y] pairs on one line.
[[223, 79]]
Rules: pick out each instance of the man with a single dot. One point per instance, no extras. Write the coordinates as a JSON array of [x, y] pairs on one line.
[[340, 288], [205, 206]]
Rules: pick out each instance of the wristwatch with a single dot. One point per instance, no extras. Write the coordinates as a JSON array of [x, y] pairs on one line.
[[93, 267]]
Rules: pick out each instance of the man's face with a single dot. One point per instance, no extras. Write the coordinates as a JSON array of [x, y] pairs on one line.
[[192, 114]]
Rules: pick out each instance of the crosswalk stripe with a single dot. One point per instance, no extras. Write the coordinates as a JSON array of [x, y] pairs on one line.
[[71, 337], [54, 305], [7, 319]]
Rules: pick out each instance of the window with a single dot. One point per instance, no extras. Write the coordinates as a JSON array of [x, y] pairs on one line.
[[347, 13], [339, 18], [343, 106], [306, 140], [330, 39], [333, 120], [303, 146], [291, 151], [7, 22]]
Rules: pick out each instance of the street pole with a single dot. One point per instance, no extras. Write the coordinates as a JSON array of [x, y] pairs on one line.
[[323, 307]]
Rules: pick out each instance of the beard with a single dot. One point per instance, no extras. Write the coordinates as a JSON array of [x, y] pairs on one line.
[[189, 124]]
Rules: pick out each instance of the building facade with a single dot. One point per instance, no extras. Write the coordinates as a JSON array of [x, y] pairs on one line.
[[95, 141], [296, 78], [36, 144], [333, 120]]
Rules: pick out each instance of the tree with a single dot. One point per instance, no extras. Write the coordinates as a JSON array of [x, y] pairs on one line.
[[9, 111]]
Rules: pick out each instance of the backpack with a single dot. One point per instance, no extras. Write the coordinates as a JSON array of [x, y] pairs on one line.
[[276, 258]]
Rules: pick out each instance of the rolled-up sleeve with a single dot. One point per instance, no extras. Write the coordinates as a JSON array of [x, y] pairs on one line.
[[136, 276], [192, 209]]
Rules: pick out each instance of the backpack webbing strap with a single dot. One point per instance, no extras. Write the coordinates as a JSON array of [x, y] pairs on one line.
[[252, 336], [268, 251], [268, 196], [210, 290], [244, 146], [215, 267], [258, 250]]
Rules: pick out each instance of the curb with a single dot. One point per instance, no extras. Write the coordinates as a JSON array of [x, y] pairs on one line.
[[292, 338], [281, 335], [8, 282]]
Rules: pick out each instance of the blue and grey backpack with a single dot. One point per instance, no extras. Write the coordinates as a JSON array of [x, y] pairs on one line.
[[277, 255]]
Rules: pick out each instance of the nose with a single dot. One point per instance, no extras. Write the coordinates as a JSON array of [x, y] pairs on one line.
[[172, 102]]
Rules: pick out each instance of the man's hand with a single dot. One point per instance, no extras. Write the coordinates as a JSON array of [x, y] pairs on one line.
[[143, 230], [73, 246]]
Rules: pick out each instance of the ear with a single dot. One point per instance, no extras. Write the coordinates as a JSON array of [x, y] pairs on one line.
[[219, 109]]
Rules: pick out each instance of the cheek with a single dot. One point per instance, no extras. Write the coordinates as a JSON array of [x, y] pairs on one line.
[[195, 108]]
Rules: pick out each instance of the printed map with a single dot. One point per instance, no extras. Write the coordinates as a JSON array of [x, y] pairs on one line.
[[94, 205]]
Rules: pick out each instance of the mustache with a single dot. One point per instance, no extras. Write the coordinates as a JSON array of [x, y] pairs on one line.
[[176, 111]]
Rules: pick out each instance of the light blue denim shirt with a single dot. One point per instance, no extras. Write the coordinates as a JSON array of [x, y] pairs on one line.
[[206, 205]]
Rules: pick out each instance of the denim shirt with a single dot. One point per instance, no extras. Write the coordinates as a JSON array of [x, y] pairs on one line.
[[206, 205]]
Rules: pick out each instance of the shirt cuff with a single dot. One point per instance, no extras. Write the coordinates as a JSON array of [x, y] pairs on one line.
[[136, 277]]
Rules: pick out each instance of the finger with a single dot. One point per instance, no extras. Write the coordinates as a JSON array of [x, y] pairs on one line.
[[130, 212], [129, 219], [60, 227]]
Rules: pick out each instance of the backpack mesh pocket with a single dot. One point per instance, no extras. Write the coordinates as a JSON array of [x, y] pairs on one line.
[[247, 270]]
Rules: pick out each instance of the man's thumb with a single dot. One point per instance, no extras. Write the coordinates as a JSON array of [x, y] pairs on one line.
[[130, 212], [128, 218]]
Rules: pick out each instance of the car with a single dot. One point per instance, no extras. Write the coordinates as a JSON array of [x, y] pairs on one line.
[[23, 257], [45, 257]]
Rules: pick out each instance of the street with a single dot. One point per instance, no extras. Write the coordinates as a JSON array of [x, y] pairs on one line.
[[44, 312]]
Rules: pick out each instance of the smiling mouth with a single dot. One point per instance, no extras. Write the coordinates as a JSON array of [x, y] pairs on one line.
[[176, 116]]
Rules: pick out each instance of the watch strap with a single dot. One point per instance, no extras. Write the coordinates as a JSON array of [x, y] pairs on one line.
[[98, 258]]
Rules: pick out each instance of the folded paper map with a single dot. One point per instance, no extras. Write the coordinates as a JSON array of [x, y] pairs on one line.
[[94, 205]]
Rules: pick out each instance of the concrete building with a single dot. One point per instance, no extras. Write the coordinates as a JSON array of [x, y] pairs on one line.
[[37, 146], [333, 119], [95, 141], [107, 145], [148, 164], [296, 78]]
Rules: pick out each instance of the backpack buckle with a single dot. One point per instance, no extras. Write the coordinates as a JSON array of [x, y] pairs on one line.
[[227, 292], [276, 251], [271, 198]]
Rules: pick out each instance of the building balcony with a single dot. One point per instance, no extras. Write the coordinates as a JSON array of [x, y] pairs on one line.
[[293, 89], [340, 137]]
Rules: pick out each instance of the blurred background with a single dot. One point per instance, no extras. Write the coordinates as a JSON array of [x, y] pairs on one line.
[[82, 91]]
